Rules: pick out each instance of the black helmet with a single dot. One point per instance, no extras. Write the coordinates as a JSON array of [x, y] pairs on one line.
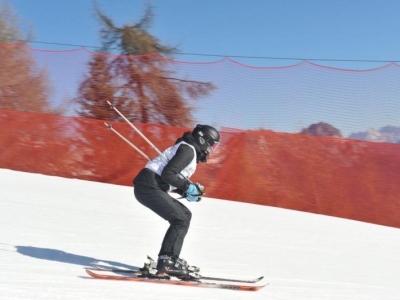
[[206, 136]]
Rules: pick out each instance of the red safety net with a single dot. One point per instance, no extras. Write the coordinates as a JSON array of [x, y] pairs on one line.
[[338, 177], [334, 176]]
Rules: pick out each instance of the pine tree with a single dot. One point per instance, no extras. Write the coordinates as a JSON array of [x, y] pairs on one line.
[[138, 80], [23, 86], [96, 89]]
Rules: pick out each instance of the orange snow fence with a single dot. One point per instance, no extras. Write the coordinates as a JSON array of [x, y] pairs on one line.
[[338, 177]]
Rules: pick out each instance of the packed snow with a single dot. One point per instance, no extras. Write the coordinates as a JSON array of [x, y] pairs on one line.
[[52, 228]]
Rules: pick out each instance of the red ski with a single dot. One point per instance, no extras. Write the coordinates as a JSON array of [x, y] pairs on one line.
[[140, 272], [231, 286]]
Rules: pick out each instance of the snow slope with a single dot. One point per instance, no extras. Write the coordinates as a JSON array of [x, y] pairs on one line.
[[52, 227]]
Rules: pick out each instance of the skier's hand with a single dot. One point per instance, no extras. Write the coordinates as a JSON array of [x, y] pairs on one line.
[[193, 192]]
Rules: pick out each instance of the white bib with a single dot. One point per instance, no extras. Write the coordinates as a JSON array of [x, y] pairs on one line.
[[158, 164]]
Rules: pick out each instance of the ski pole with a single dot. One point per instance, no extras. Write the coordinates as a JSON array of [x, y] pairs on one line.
[[109, 126], [137, 130], [142, 135], [148, 141]]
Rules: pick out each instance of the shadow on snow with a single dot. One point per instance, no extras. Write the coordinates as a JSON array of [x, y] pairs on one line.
[[69, 258]]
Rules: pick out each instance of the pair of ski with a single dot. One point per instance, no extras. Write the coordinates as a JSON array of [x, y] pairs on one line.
[[100, 272]]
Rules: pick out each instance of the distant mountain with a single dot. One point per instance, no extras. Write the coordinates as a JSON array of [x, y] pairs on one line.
[[386, 134], [322, 129]]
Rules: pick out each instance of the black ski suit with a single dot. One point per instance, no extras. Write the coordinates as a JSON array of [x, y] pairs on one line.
[[151, 191]]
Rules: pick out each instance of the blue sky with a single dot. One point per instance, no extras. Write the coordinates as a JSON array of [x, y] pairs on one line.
[[305, 29], [328, 29]]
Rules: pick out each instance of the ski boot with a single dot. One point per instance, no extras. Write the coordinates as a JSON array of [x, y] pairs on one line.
[[190, 268], [170, 266]]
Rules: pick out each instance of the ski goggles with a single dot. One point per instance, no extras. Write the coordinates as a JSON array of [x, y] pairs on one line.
[[214, 146]]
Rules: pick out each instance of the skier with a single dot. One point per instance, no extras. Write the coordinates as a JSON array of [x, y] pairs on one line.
[[170, 171]]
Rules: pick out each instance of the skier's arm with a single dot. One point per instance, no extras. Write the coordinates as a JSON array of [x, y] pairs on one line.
[[182, 158]]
